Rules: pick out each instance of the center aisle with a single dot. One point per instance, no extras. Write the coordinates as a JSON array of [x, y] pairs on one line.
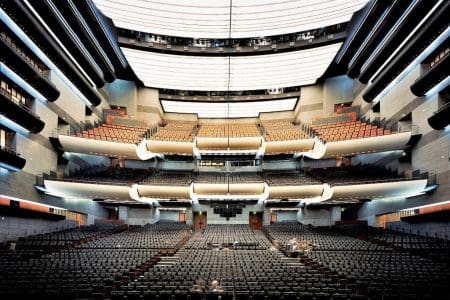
[[250, 268]]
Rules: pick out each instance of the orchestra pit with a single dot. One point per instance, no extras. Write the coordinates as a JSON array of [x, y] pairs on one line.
[[224, 150]]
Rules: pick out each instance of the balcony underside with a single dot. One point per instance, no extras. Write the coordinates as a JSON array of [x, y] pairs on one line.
[[20, 115]]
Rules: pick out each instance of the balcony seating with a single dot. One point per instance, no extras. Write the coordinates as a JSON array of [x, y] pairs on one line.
[[228, 130], [236, 178], [290, 178], [348, 130], [175, 132], [211, 177], [354, 175], [225, 178], [168, 178], [282, 131], [111, 175], [115, 133]]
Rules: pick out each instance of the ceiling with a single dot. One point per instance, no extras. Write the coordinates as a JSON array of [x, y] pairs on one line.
[[225, 19], [222, 19], [235, 73], [229, 109]]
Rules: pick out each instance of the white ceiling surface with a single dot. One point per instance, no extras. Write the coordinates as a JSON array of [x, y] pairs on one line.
[[236, 73], [216, 19], [228, 109]]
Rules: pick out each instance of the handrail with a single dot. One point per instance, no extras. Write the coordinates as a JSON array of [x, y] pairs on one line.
[[228, 181], [75, 180], [442, 107], [9, 96], [38, 66], [9, 150], [395, 179]]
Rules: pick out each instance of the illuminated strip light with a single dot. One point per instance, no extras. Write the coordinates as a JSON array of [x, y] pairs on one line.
[[369, 36], [427, 205], [205, 73], [228, 109], [438, 87], [211, 19], [41, 55], [281, 17], [388, 35], [31, 202], [415, 62], [339, 57], [75, 37], [118, 54], [91, 34], [20, 82], [412, 33], [44, 24]]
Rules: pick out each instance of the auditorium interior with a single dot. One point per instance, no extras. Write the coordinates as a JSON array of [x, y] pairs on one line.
[[224, 149]]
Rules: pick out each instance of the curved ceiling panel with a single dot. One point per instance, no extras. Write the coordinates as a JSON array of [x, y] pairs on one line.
[[257, 72], [228, 109], [227, 18]]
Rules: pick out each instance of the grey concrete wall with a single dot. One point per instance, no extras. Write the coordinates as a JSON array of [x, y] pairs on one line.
[[336, 90], [123, 93], [430, 154], [21, 185], [138, 216], [310, 105], [319, 217], [286, 216], [167, 215], [431, 229], [213, 218], [148, 105], [11, 228]]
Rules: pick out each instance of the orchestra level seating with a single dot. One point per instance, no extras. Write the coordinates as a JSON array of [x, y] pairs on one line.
[[167, 261]]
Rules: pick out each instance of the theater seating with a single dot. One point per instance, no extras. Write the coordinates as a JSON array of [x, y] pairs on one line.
[[164, 261], [228, 130], [36, 245], [245, 178], [290, 178], [108, 175], [370, 270], [346, 175], [282, 131], [91, 270], [347, 130], [211, 177], [228, 178], [175, 132], [115, 133], [169, 178]]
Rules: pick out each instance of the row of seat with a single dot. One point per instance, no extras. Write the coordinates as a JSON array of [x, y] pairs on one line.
[[343, 175], [228, 130], [175, 132], [115, 133], [347, 130], [91, 270], [371, 269], [282, 131]]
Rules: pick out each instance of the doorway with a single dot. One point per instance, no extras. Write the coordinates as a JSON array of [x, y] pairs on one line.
[[200, 220], [255, 220]]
